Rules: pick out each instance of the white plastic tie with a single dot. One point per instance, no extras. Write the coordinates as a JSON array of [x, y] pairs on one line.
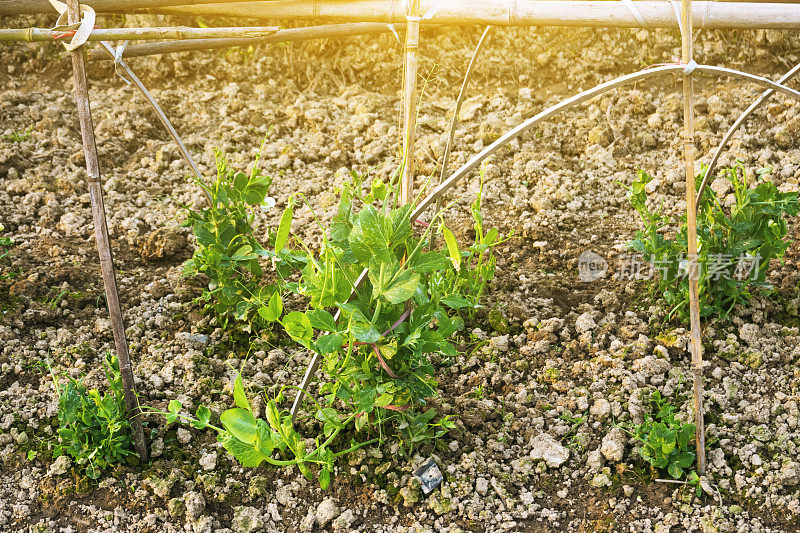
[[689, 68], [676, 7], [512, 11], [84, 28], [394, 32], [635, 12], [118, 51]]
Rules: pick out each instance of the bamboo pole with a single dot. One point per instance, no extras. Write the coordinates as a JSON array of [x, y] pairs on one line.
[[739, 121], [330, 31], [507, 137], [161, 116], [578, 99], [599, 13], [691, 224], [410, 65], [23, 7], [103, 244], [454, 122], [19, 7], [130, 34]]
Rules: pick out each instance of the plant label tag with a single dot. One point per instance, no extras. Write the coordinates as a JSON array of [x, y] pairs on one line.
[[429, 476]]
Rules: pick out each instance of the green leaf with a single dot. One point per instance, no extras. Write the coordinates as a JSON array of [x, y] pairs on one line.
[[203, 236], [273, 310], [240, 423], [454, 301], [244, 253], [321, 320], [247, 454], [284, 227], [675, 471], [257, 189], [298, 326], [362, 329], [452, 247], [325, 478], [329, 343], [175, 406], [402, 287], [369, 238], [240, 180], [273, 416], [305, 471], [239, 397], [430, 262], [384, 399], [684, 460], [203, 416], [668, 447]]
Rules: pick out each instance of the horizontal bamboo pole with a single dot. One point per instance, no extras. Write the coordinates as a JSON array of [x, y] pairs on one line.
[[657, 14], [22, 7], [126, 34], [331, 31]]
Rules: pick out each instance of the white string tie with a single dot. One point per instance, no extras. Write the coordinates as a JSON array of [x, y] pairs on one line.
[[82, 29]]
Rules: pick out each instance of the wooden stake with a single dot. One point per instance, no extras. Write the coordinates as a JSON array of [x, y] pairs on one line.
[[691, 224], [103, 244], [410, 64]]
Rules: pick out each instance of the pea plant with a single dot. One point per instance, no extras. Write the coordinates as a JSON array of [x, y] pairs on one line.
[[373, 336], [464, 287], [229, 253], [735, 245], [92, 426], [375, 344], [253, 441], [5, 245], [666, 442]]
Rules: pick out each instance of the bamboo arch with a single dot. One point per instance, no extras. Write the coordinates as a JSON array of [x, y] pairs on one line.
[[573, 101]]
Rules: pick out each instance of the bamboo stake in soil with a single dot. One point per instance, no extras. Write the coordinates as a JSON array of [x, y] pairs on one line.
[[691, 224], [410, 64], [329, 31], [103, 244]]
